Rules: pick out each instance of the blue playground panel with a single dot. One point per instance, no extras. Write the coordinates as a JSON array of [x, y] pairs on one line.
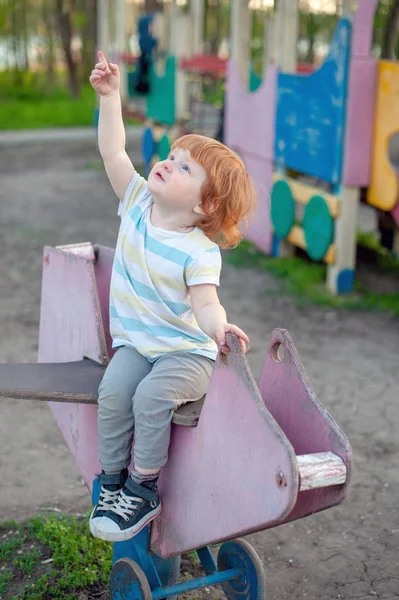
[[310, 118]]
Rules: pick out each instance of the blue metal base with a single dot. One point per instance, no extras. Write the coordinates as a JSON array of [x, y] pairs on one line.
[[139, 574], [127, 577]]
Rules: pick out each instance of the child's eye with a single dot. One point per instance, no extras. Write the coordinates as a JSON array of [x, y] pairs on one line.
[[171, 157], [186, 168]]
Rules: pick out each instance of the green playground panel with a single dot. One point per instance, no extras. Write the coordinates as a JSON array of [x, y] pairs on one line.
[[318, 226], [282, 209], [161, 99]]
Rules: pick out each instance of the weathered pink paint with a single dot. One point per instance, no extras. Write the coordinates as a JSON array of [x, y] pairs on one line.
[[102, 272], [249, 117], [362, 37], [221, 480], [70, 328], [236, 472], [290, 398], [361, 98], [249, 127], [260, 230]]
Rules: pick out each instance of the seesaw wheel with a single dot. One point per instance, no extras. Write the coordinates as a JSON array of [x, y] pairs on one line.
[[128, 581], [251, 585]]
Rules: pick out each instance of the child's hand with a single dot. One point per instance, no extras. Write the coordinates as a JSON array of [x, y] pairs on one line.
[[220, 337], [105, 77]]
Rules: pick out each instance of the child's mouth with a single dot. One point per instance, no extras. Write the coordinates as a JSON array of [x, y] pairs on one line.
[[159, 176]]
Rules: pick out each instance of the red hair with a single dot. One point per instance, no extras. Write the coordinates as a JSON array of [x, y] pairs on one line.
[[228, 195]]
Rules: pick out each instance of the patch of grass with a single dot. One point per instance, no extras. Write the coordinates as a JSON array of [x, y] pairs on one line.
[[193, 558], [31, 103], [306, 281], [52, 557], [28, 561], [56, 110], [386, 260], [82, 558], [9, 545], [5, 578], [56, 558]]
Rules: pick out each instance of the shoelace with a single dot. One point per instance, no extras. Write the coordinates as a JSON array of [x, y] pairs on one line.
[[126, 505], [107, 498]]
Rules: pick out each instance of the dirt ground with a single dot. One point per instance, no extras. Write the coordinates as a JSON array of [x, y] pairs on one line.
[[53, 193]]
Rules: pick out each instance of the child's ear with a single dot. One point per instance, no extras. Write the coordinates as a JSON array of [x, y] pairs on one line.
[[198, 209], [210, 209]]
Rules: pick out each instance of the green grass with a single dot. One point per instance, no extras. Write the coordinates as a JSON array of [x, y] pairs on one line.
[[52, 557], [35, 108], [32, 104], [306, 281], [5, 578], [7, 547], [28, 561]]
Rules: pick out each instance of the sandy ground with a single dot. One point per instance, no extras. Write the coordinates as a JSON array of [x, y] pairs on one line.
[[54, 193]]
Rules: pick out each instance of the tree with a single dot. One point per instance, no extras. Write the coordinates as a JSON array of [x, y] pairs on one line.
[[65, 9], [390, 33], [49, 40], [315, 26]]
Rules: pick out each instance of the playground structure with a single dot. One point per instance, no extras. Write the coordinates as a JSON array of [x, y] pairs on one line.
[[312, 142], [165, 109], [174, 104], [289, 457]]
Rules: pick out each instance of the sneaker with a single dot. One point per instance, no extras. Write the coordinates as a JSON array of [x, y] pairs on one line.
[[111, 486], [136, 506]]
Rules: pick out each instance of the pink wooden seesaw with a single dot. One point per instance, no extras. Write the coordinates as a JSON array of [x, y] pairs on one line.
[[244, 459]]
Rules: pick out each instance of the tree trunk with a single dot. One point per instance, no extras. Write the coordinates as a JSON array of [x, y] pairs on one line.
[[48, 19], [390, 31], [64, 21], [18, 79], [89, 38], [152, 6], [24, 35]]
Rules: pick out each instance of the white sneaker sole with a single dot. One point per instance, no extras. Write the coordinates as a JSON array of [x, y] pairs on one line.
[[125, 534]]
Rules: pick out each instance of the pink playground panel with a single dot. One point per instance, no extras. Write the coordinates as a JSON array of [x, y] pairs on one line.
[[250, 131], [71, 328], [301, 415], [361, 99], [237, 470]]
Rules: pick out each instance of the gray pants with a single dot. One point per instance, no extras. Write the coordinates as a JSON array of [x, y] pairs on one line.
[[138, 396]]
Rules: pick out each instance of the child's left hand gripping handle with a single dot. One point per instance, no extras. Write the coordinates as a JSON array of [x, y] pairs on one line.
[[222, 337]]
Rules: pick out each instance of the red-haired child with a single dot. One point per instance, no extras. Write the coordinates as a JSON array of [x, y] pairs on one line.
[[166, 320]]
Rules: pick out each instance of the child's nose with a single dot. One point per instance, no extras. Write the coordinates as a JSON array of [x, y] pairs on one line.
[[167, 165]]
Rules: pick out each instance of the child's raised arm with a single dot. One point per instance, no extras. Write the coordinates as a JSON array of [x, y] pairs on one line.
[[105, 79]]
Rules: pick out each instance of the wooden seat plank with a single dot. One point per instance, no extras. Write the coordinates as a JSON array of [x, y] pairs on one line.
[[75, 382]]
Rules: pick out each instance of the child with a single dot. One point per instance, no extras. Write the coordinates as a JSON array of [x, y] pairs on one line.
[[166, 320]]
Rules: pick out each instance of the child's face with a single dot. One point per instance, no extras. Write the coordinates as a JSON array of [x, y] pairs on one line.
[[177, 182]]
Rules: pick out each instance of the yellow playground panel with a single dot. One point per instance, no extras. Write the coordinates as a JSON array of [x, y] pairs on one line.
[[383, 189]]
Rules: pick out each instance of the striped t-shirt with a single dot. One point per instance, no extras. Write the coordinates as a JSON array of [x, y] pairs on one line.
[[153, 268]]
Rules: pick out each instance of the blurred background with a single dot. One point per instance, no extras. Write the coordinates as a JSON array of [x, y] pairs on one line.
[[47, 48], [320, 258]]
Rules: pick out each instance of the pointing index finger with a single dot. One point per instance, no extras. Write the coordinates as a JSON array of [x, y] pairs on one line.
[[102, 58]]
